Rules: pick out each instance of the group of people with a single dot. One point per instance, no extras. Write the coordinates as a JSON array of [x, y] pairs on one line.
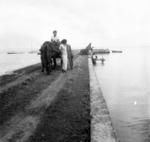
[[66, 52]]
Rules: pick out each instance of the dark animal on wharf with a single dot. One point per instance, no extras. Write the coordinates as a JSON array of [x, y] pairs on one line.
[[49, 52]]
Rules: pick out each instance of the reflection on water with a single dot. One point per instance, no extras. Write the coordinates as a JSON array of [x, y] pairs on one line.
[[10, 62], [125, 82]]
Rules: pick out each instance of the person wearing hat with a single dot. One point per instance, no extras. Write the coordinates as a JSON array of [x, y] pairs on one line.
[[63, 49]]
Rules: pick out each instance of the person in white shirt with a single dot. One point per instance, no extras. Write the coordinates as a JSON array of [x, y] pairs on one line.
[[63, 49], [54, 38]]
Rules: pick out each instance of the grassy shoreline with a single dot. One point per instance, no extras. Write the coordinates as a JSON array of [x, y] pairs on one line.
[[35, 107], [24, 101]]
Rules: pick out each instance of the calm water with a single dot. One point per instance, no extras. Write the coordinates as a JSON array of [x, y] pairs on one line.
[[125, 82], [10, 62]]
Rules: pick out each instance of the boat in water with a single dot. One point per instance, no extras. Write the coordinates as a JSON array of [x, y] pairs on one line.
[[11, 53], [15, 52], [101, 51], [117, 51]]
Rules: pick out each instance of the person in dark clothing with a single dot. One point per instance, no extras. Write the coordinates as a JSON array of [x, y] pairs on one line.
[[70, 56]]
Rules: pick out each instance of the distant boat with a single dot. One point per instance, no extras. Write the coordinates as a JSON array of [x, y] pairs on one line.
[[15, 52], [117, 51], [11, 53], [101, 51]]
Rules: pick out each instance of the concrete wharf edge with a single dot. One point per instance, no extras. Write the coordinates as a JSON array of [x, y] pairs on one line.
[[101, 125]]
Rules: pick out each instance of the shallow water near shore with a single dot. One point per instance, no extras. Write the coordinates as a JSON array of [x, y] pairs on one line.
[[10, 62], [125, 82]]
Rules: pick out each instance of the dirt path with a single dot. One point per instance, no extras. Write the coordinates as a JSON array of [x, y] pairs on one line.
[[47, 108], [68, 118]]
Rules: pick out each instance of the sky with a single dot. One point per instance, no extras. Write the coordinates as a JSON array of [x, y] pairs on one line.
[[26, 24]]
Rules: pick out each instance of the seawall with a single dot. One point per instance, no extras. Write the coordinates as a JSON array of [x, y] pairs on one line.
[[101, 125]]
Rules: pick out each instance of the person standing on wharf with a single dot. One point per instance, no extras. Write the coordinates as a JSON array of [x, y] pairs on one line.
[[63, 49], [70, 56]]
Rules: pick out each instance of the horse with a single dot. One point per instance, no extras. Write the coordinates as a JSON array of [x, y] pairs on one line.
[[56, 53], [49, 52]]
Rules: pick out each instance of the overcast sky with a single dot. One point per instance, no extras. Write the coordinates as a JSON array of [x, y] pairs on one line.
[[25, 24]]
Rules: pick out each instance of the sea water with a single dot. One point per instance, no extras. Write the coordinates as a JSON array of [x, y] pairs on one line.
[[125, 82], [11, 62]]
